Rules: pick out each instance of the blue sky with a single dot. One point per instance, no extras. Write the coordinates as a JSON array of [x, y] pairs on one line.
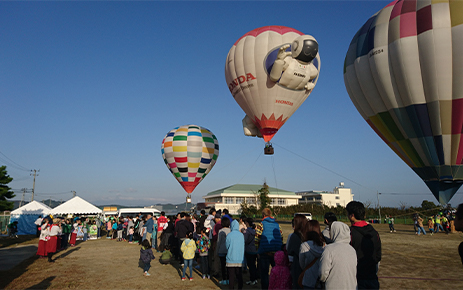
[[89, 90]]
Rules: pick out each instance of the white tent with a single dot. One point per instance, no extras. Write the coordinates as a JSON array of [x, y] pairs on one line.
[[76, 205], [26, 216], [32, 208]]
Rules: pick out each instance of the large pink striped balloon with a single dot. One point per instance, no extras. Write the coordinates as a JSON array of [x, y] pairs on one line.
[[404, 73]]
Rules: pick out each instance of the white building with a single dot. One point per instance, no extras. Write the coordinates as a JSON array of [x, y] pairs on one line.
[[233, 196], [340, 196]]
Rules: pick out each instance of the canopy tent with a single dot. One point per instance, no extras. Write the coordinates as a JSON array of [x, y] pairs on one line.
[[76, 205], [27, 214]]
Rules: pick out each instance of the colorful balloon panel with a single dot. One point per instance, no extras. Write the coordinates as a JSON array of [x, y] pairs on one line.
[[190, 152], [404, 73], [249, 62]]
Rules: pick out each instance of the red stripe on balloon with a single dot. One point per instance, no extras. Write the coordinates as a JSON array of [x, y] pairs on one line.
[[278, 29], [424, 19], [189, 186], [457, 126], [408, 24], [397, 10], [181, 159], [457, 116]]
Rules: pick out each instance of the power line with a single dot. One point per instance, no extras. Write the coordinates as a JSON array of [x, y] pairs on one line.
[[57, 193], [321, 166], [12, 163], [250, 167], [21, 178]]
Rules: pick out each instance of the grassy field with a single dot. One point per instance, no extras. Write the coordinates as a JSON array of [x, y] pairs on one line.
[[409, 262]]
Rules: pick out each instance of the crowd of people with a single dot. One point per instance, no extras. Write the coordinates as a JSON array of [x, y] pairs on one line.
[[56, 234], [225, 247], [443, 222]]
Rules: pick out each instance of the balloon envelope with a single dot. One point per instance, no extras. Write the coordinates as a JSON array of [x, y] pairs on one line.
[[404, 73], [249, 62], [190, 152]]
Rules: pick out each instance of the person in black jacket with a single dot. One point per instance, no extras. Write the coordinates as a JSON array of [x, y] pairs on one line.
[[182, 228], [367, 244], [201, 221]]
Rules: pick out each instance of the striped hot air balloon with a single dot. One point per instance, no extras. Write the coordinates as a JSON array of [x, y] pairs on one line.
[[269, 104], [190, 152], [404, 73]]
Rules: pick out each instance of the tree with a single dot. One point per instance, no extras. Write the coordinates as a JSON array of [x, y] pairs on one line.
[[5, 191], [264, 200], [248, 210], [425, 205], [402, 205]]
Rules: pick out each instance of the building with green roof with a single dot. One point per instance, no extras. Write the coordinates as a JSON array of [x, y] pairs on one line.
[[231, 197]]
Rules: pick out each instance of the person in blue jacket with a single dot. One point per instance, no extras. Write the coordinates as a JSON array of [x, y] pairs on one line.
[[268, 240], [235, 254]]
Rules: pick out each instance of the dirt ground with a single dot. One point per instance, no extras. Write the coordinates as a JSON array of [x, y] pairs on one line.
[[409, 262]]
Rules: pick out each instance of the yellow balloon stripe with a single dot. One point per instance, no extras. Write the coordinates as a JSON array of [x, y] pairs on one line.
[[180, 148], [193, 165]]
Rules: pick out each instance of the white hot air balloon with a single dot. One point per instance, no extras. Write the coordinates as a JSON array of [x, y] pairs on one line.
[[270, 71]]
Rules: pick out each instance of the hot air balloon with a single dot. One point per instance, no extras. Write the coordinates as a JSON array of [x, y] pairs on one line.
[[270, 71], [404, 73], [190, 152]]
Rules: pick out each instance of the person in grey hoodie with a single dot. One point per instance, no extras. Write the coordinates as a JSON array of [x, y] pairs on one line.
[[310, 250], [338, 263]]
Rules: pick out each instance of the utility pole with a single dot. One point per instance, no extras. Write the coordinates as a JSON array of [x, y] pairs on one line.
[[22, 199], [73, 193], [379, 207], [33, 186]]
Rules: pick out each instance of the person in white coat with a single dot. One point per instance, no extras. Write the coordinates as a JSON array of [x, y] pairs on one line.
[[338, 263]]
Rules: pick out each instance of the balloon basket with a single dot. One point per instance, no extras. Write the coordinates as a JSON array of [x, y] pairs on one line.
[[268, 150]]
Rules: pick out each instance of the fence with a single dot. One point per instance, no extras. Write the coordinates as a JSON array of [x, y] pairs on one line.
[[370, 219], [4, 221]]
